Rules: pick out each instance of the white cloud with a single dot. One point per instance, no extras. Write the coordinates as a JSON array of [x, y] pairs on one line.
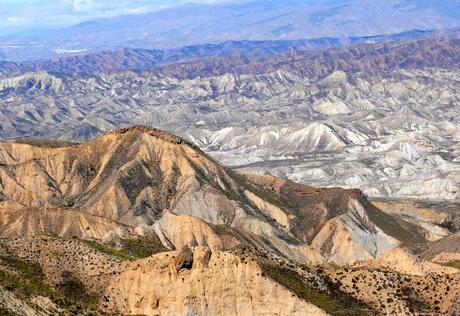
[[79, 4], [26, 15]]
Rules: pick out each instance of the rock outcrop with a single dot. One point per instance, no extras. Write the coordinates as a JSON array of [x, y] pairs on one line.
[[184, 259], [222, 285], [140, 221], [140, 180]]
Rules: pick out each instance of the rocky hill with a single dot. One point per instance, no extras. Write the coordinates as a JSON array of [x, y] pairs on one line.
[[380, 117], [390, 134], [90, 227]]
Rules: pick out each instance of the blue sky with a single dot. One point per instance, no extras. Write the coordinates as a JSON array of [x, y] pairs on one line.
[[17, 16]]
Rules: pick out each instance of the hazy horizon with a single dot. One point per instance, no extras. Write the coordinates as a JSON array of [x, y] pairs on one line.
[[28, 16]]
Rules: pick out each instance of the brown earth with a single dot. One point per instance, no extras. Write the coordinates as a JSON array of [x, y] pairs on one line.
[[95, 228]]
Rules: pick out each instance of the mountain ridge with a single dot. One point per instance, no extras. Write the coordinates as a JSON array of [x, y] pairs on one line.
[[131, 187], [248, 20], [142, 204], [376, 129], [149, 59]]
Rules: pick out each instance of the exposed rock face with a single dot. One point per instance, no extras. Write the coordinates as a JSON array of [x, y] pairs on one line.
[[379, 132], [177, 231], [232, 244], [405, 263], [436, 220], [352, 237], [8, 302], [184, 259], [18, 220], [225, 285], [138, 180], [449, 245]]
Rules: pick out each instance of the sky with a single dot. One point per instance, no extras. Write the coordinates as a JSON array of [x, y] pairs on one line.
[[19, 16]]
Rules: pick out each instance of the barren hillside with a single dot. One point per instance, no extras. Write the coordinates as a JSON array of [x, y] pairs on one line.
[[89, 228]]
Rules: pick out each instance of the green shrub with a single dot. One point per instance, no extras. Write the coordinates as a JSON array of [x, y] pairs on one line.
[[29, 281], [452, 264], [131, 249], [334, 303], [108, 250], [142, 247], [26, 280], [74, 291], [6, 312]]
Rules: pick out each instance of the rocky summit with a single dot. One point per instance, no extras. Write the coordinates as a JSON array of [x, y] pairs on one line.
[[142, 222]]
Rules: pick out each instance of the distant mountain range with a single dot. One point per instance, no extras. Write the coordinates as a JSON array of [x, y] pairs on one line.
[[195, 24], [435, 51], [209, 59]]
